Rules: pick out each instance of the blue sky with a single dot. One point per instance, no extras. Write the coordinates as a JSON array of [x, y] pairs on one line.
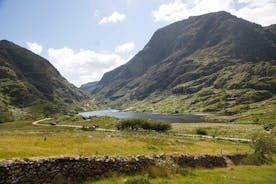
[[85, 38]]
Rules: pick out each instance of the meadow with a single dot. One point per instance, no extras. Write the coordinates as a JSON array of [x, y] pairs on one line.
[[21, 139], [232, 175]]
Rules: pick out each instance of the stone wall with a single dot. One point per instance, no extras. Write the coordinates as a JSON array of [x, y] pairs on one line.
[[72, 169]]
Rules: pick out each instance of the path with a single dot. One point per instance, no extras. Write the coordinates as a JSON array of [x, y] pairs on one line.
[[216, 137], [37, 123]]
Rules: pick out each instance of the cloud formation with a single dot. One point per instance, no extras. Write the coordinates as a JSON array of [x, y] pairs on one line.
[[170, 12], [83, 66], [259, 11], [125, 47], [34, 47], [114, 17]]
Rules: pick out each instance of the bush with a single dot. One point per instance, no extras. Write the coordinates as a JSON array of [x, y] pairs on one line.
[[264, 146], [164, 169], [5, 115], [137, 180], [268, 126], [134, 124], [201, 131]]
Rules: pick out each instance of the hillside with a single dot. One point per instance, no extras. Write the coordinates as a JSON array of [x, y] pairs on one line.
[[89, 87], [272, 28], [29, 83], [210, 63]]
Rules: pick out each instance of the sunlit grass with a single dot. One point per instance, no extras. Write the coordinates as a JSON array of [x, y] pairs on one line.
[[219, 129], [233, 175], [21, 139]]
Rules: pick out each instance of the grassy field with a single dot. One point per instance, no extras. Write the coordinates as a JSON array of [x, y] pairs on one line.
[[212, 129], [233, 175], [21, 139], [219, 129], [36, 141]]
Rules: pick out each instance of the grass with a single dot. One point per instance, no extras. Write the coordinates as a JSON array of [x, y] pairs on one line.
[[36, 141], [233, 175], [103, 122], [20, 139], [219, 129]]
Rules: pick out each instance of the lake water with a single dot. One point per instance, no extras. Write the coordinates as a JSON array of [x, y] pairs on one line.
[[180, 118]]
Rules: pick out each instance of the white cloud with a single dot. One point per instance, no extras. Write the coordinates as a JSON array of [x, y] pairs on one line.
[[170, 12], [125, 47], [83, 66], [259, 11], [115, 17], [263, 14], [34, 47], [206, 6]]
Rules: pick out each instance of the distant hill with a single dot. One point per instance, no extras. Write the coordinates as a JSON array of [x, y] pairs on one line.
[[213, 63], [29, 83], [89, 87]]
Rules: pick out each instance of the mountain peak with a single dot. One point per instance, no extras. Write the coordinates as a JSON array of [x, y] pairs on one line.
[[212, 35], [207, 51]]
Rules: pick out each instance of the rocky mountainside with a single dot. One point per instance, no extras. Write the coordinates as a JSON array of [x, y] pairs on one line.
[[28, 82], [213, 62]]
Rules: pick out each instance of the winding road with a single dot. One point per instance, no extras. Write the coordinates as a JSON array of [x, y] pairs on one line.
[[37, 123]]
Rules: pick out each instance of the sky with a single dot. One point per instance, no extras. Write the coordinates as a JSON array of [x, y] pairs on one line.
[[84, 39]]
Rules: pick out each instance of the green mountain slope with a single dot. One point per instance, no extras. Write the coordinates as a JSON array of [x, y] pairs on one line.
[[211, 63], [89, 87], [29, 83]]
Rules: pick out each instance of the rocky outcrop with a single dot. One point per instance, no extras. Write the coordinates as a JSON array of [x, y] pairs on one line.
[[73, 169]]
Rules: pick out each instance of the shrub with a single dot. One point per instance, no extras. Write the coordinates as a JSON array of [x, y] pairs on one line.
[[137, 180], [5, 115], [134, 124], [130, 124], [201, 131], [268, 126], [264, 146], [164, 169]]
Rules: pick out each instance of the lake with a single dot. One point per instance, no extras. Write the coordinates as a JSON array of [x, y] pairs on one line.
[[180, 118]]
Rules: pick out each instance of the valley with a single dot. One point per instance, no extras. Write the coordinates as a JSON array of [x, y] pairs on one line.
[[203, 87]]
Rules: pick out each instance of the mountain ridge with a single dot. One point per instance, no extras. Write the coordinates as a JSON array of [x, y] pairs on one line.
[[30, 82], [184, 58]]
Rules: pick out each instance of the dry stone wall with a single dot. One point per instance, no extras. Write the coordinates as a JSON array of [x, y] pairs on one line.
[[73, 169]]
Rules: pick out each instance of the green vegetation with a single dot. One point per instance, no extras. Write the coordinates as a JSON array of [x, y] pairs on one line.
[[134, 124], [218, 129], [269, 126], [44, 141], [232, 175], [30, 86], [264, 146], [5, 115], [73, 119], [137, 180], [180, 73], [56, 141], [201, 131]]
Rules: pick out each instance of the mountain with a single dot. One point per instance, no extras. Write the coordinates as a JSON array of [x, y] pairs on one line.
[[272, 28], [214, 62], [89, 87], [29, 83]]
